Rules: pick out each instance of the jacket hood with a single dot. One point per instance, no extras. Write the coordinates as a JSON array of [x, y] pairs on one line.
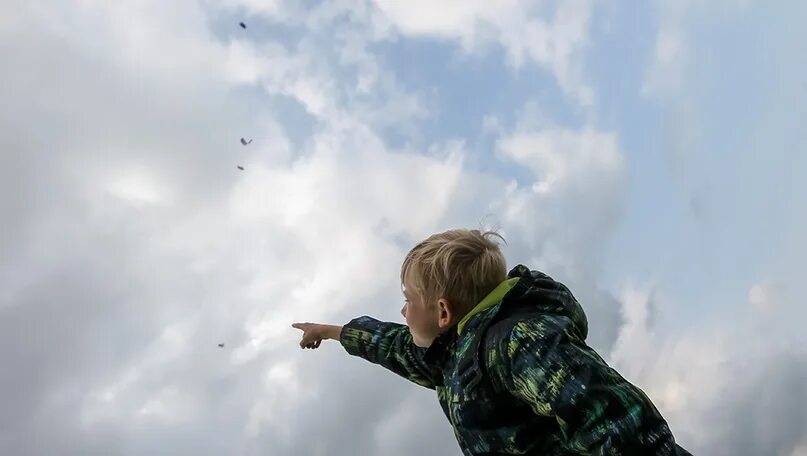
[[536, 293]]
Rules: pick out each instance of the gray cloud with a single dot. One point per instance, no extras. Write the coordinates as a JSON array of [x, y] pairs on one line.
[[122, 266], [767, 410], [131, 245]]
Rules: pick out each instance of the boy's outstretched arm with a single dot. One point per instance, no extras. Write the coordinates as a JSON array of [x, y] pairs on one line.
[[597, 411], [387, 344]]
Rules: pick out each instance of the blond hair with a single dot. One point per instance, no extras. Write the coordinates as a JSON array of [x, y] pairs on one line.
[[460, 265]]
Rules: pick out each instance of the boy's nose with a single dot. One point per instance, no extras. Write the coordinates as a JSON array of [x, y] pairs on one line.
[[403, 310]]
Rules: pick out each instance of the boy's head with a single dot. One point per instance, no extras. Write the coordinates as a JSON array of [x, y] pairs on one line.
[[444, 276]]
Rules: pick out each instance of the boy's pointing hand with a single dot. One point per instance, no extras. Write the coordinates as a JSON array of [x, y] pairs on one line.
[[314, 333]]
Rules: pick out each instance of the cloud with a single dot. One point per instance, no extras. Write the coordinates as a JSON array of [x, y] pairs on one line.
[[760, 297], [730, 379], [132, 245], [577, 175], [562, 159], [669, 62], [552, 37], [138, 246], [570, 207]]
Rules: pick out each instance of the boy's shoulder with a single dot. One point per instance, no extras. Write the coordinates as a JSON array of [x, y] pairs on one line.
[[506, 328], [537, 315], [535, 306]]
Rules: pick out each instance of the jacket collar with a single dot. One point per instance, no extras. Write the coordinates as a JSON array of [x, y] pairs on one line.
[[493, 298], [443, 343]]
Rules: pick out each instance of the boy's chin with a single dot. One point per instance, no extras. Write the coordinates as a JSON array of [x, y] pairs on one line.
[[420, 342]]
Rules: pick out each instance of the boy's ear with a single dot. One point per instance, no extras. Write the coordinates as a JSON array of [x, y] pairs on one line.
[[446, 313]]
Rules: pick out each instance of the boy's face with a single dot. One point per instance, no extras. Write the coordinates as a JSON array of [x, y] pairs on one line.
[[426, 321]]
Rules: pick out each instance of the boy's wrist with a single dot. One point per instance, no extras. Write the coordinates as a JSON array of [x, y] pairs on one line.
[[334, 332]]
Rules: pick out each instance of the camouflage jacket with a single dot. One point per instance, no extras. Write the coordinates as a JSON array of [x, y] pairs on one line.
[[515, 376]]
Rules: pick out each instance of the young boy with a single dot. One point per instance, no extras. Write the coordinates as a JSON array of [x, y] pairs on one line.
[[506, 354]]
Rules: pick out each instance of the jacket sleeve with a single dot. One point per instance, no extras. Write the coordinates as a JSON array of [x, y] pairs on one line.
[[597, 411], [389, 345]]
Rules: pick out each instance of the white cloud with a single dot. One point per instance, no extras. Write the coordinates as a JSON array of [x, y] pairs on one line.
[[305, 71], [669, 62], [169, 407], [559, 220], [133, 394], [145, 224], [552, 37], [578, 174], [139, 186], [450, 19], [760, 296], [561, 158], [137, 246]]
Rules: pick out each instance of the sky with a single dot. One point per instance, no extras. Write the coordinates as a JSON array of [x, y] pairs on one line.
[[649, 155]]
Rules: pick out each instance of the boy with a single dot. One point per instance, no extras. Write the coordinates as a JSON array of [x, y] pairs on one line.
[[506, 355]]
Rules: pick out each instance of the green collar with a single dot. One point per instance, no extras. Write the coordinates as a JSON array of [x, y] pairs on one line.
[[493, 298]]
